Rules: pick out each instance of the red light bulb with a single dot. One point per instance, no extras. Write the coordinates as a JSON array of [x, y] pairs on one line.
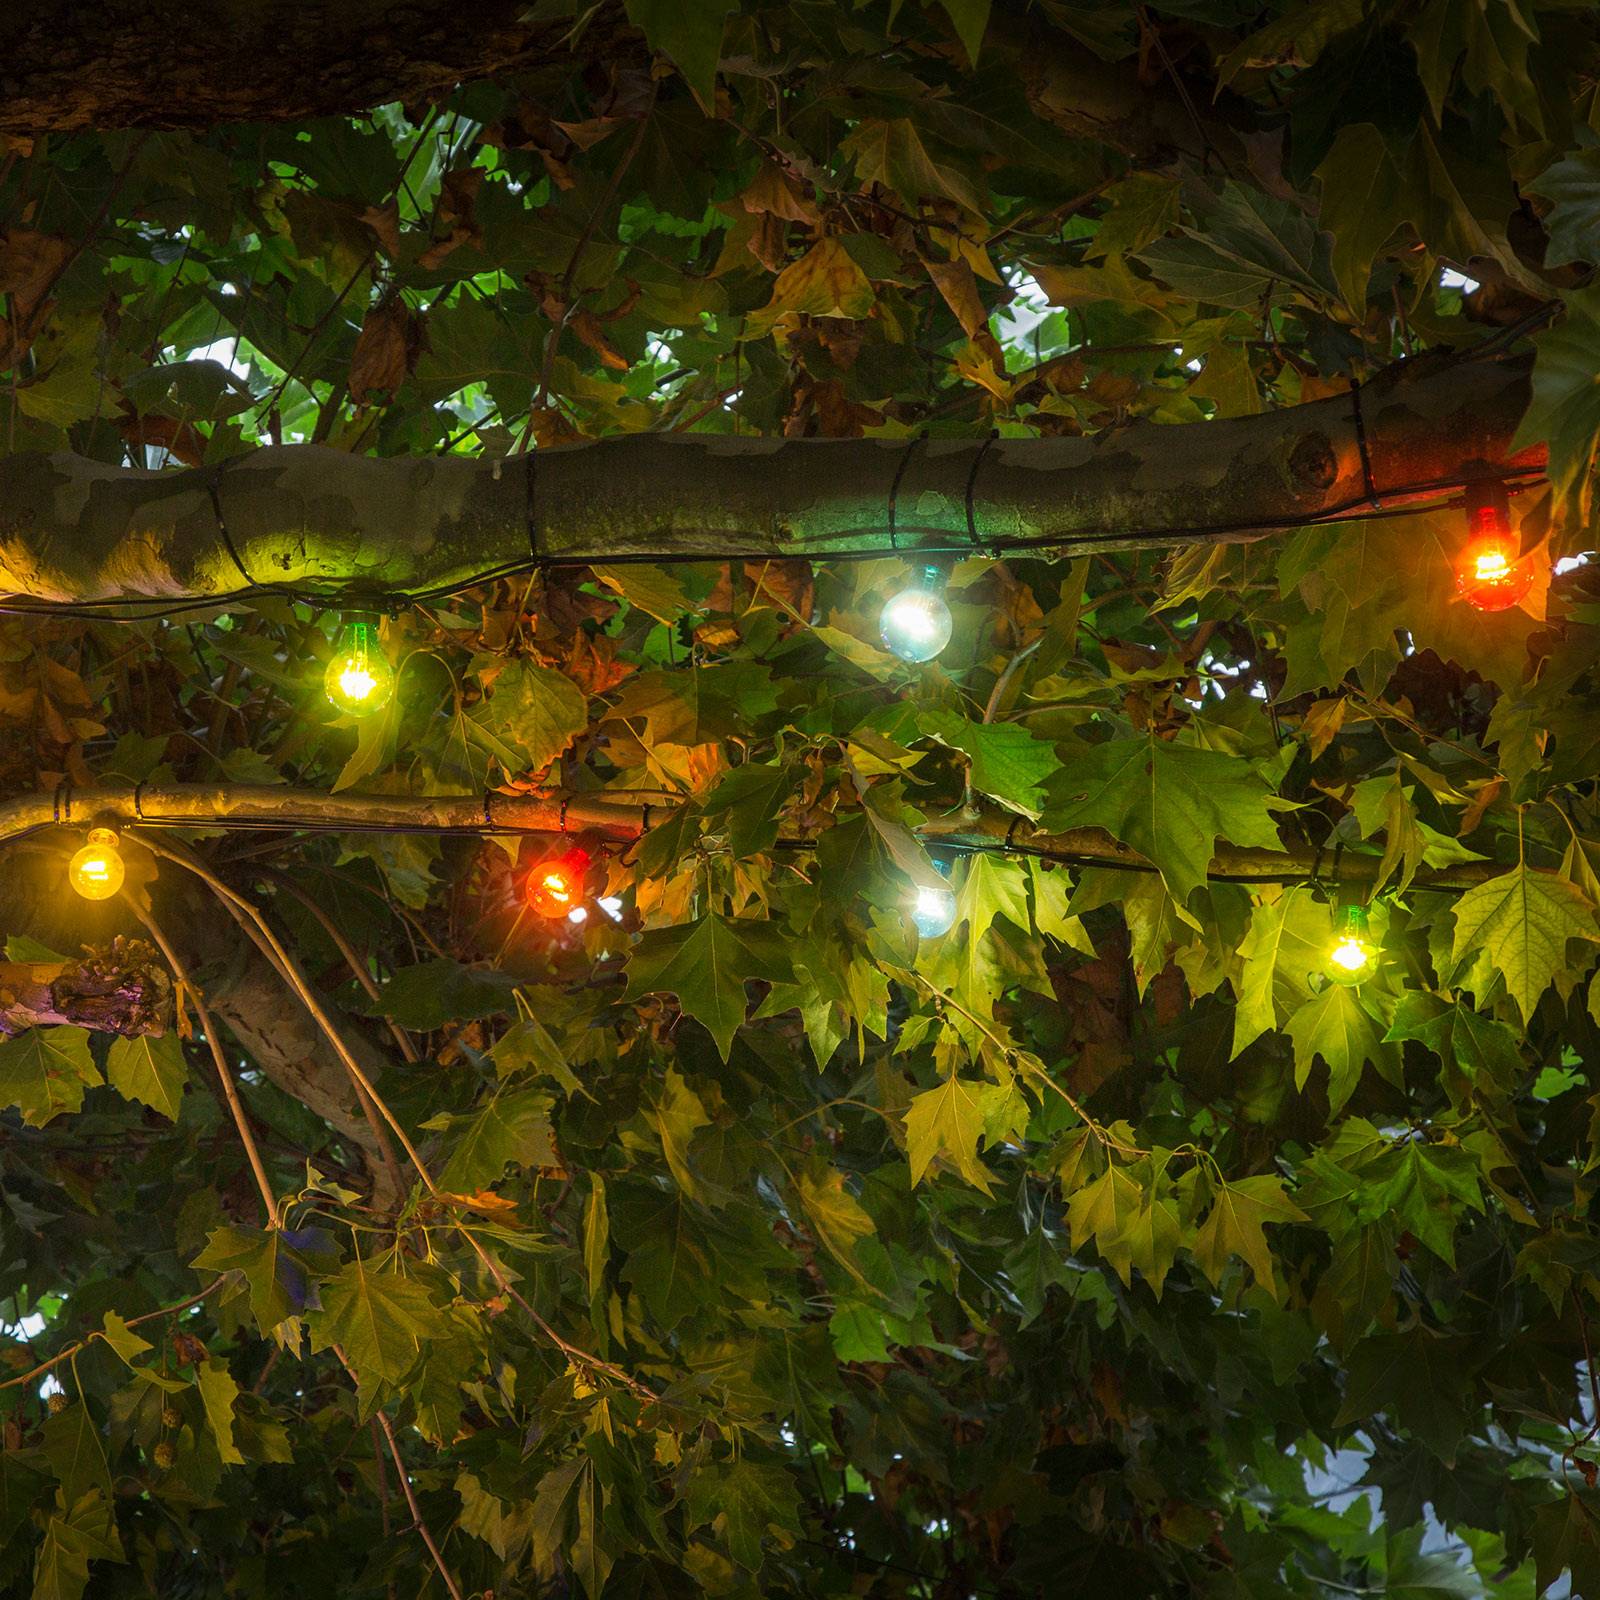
[[555, 886], [1491, 573]]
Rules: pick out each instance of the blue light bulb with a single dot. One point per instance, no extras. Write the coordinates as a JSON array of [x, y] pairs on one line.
[[916, 624], [933, 910]]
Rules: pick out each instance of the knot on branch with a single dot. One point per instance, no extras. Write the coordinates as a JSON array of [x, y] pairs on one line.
[[121, 987]]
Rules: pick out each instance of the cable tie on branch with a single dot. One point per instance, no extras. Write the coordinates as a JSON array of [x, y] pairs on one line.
[[566, 800], [488, 821], [644, 818], [894, 487], [1011, 833], [62, 796], [1373, 497], [972, 483], [138, 807]]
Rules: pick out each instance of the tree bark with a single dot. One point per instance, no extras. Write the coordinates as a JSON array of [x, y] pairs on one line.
[[557, 813], [74, 529], [120, 988], [171, 64]]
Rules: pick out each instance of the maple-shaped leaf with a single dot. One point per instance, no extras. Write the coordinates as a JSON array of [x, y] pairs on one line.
[[281, 1267], [947, 1121], [149, 1070], [1419, 1378], [44, 1072], [746, 1502], [530, 715], [1424, 1190], [1235, 1227], [1522, 923], [835, 1216], [1169, 802], [1566, 1538], [218, 1393], [379, 1319], [1286, 944], [1336, 1028], [707, 964], [514, 1126], [74, 1535]]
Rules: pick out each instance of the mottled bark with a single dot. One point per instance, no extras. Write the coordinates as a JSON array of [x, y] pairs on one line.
[[120, 988], [172, 64], [73, 529], [555, 812]]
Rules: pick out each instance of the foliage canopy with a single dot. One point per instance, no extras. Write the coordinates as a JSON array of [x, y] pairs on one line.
[[1099, 1243]]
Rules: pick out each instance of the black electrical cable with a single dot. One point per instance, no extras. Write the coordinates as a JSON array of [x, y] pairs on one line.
[[1356, 509]]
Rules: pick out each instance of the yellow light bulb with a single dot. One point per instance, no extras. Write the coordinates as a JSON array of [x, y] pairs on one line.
[[1492, 566], [97, 870], [1352, 957], [359, 678]]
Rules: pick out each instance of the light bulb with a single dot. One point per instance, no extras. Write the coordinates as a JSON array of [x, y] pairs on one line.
[[1352, 956], [916, 624], [933, 910], [97, 870], [359, 679], [1491, 574], [555, 886]]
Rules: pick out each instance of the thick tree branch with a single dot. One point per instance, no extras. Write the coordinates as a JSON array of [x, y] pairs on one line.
[[280, 806], [121, 65], [75, 529]]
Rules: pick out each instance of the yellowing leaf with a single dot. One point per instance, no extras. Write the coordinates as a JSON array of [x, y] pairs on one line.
[[947, 1121], [1522, 922], [824, 282], [1235, 1227]]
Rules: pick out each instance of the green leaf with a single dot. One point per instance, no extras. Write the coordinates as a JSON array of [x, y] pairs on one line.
[[150, 1070], [1235, 1227], [1425, 1191], [676, 1114], [947, 1121], [835, 1215], [122, 1338], [690, 33], [1522, 922], [1006, 762], [379, 1319], [530, 716], [1566, 1538], [514, 1127], [1565, 410], [746, 1503], [1335, 1027], [1420, 1379], [1286, 944], [427, 996], [707, 964], [1169, 802], [280, 1266], [1365, 194], [1572, 185], [77, 1532], [44, 1072], [218, 1392]]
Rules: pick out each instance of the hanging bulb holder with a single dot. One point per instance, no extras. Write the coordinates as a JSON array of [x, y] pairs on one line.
[[556, 886], [1352, 956], [359, 679], [1491, 572], [916, 623], [97, 870]]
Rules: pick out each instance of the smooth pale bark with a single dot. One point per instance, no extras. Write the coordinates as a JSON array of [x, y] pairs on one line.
[[74, 529], [275, 805]]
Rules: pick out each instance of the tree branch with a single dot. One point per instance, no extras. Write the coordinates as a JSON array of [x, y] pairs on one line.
[[73, 529]]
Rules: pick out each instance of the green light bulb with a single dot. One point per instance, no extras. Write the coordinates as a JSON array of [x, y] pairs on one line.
[[359, 679], [1352, 956]]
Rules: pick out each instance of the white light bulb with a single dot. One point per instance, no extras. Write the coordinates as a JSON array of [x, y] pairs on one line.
[[933, 910], [916, 624]]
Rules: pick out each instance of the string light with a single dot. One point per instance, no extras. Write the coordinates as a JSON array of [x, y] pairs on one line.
[[97, 870], [1352, 956], [916, 623], [555, 886], [933, 910], [1491, 573], [359, 678]]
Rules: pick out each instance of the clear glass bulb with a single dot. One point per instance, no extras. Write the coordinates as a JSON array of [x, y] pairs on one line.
[[359, 679], [916, 623], [97, 870], [933, 910]]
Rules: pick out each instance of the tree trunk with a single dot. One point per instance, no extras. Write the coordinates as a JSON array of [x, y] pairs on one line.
[[74, 529], [175, 64]]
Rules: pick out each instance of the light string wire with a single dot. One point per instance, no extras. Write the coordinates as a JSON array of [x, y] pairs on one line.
[[935, 542], [289, 822]]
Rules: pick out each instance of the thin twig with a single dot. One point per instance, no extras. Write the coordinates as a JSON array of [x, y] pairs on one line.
[[209, 1028]]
